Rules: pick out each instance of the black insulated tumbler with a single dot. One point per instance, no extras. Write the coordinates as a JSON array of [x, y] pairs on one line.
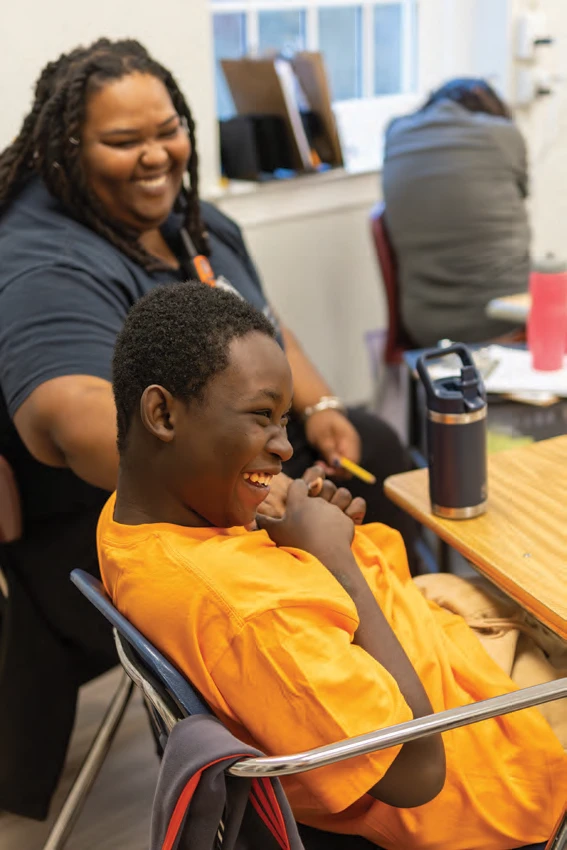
[[456, 436]]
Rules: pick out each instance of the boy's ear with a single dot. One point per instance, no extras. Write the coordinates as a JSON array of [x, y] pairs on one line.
[[157, 412]]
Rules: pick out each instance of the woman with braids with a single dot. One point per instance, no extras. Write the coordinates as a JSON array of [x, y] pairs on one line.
[[98, 205]]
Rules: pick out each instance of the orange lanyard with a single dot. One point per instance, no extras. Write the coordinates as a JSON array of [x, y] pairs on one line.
[[199, 262]]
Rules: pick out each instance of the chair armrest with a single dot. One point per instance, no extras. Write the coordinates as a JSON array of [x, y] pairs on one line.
[[402, 733]]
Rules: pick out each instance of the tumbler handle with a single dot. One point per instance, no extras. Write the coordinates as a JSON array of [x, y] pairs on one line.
[[437, 354]]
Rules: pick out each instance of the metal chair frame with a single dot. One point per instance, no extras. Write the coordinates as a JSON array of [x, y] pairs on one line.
[[90, 768]]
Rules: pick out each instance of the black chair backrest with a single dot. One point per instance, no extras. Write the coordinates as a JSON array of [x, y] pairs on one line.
[[160, 671]]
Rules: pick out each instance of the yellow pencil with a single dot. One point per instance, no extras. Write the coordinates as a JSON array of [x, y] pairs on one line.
[[357, 470]]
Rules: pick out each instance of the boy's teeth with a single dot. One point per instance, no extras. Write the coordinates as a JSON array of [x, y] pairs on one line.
[[258, 478]]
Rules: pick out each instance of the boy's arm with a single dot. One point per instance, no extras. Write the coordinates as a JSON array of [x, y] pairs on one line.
[[418, 773], [422, 760], [313, 525]]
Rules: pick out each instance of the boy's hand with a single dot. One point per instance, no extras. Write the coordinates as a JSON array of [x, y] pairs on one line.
[[318, 485], [274, 505], [322, 528], [275, 502]]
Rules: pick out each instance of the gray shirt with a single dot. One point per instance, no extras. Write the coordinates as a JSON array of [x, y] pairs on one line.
[[454, 184]]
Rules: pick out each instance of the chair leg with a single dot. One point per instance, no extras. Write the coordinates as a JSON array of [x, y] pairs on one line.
[[558, 840], [428, 560], [93, 762], [443, 556]]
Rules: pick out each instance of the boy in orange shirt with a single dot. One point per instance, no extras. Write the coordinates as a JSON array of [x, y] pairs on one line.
[[306, 630]]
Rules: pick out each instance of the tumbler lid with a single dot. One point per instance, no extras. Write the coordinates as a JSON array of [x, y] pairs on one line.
[[462, 393], [550, 263]]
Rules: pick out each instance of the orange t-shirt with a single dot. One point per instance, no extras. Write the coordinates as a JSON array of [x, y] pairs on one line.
[[265, 634]]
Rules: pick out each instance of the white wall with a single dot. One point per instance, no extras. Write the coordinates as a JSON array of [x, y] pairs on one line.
[[311, 242], [546, 128], [491, 24], [34, 32]]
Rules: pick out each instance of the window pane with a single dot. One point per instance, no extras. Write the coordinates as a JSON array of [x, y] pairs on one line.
[[387, 48], [340, 42], [281, 31], [414, 46], [229, 33]]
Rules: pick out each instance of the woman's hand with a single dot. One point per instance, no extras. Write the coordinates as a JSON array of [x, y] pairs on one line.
[[331, 433]]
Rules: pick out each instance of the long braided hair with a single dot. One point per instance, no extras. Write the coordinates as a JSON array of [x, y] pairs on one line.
[[49, 144]]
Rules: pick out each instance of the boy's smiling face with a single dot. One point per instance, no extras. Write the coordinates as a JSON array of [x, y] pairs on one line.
[[222, 451]]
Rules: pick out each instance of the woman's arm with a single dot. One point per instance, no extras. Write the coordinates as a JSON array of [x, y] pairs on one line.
[[329, 431], [308, 384], [71, 422], [58, 326]]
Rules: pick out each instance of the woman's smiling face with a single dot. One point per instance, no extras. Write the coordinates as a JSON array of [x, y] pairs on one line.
[[135, 150]]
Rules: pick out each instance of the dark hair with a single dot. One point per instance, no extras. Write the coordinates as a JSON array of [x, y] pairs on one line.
[[48, 143], [473, 93], [177, 336]]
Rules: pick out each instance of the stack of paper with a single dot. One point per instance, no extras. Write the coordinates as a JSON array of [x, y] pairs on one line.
[[513, 373]]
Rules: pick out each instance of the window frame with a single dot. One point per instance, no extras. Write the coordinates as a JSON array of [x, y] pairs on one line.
[[411, 9]]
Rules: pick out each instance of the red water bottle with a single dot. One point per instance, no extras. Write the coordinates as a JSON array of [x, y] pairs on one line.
[[547, 322]]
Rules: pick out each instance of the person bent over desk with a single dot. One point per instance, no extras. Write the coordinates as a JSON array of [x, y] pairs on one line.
[[301, 631]]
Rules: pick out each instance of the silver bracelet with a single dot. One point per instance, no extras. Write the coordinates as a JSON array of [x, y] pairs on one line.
[[326, 402]]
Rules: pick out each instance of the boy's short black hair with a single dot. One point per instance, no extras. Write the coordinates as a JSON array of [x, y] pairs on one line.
[[177, 336]]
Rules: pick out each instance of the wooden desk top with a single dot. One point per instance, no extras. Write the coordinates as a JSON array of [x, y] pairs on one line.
[[520, 543]]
